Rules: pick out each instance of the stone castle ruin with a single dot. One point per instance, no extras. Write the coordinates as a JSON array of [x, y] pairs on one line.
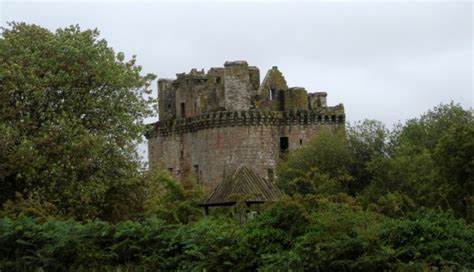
[[212, 123]]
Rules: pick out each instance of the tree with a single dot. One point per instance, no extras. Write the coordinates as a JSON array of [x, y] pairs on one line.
[[425, 132], [321, 166], [171, 200], [71, 112], [454, 157], [367, 140], [335, 162], [431, 160]]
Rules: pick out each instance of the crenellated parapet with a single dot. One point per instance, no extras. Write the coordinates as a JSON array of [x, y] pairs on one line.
[[329, 115]]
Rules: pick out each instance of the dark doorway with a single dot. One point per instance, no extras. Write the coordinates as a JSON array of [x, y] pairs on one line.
[[183, 110], [284, 144]]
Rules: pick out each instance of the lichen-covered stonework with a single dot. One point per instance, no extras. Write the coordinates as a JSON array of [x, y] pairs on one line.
[[211, 123]]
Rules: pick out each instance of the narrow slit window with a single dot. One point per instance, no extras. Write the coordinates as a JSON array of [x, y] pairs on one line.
[[284, 144], [301, 141], [183, 110]]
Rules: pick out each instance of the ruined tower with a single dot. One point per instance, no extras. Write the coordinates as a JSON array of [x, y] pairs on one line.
[[212, 123]]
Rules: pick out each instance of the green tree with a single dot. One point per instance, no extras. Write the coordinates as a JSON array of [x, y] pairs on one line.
[[320, 166], [367, 140], [431, 161], [424, 132], [71, 112], [335, 162], [172, 200], [454, 157]]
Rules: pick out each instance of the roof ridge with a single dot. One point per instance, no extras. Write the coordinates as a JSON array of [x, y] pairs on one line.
[[243, 181]]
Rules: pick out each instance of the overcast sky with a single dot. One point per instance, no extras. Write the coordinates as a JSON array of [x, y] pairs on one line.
[[385, 61]]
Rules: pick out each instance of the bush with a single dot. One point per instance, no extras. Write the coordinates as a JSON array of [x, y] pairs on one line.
[[430, 239], [305, 234]]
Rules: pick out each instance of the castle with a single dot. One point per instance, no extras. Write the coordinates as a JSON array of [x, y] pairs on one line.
[[212, 123]]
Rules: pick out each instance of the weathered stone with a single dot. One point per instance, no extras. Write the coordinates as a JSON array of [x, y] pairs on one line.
[[211, 123]]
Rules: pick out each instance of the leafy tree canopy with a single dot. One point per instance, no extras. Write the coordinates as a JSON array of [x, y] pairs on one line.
[[426, 162], [172, 200], [71, 112], [432, 160]]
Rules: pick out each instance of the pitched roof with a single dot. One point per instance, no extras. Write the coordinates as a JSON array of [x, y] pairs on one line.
[[243, 182]]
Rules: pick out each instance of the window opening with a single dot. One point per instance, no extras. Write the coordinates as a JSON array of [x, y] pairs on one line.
[[183, 110], [281, 100], [284, 144], [272, 94]]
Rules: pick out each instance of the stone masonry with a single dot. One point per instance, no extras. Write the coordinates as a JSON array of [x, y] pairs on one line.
[[212, 123]]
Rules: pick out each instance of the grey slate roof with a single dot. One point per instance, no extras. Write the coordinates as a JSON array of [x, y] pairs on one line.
[[243, 183]]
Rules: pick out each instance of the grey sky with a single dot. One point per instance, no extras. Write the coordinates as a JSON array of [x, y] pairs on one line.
[[384, 61]]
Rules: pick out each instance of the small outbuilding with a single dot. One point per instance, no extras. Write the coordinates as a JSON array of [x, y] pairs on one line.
[[242, 185]]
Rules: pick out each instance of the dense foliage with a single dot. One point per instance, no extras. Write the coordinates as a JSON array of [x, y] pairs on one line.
[[426, 162], [71, 112], [308, 234], [172, 201]]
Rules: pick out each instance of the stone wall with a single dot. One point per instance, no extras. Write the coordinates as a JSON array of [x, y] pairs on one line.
[[210, 154], [270, 92], [239, 90], [295, 99], [211, 145], [167, 99], [211, 123]]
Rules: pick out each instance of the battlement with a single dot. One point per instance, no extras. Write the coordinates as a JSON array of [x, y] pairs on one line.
[[330, 115]]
